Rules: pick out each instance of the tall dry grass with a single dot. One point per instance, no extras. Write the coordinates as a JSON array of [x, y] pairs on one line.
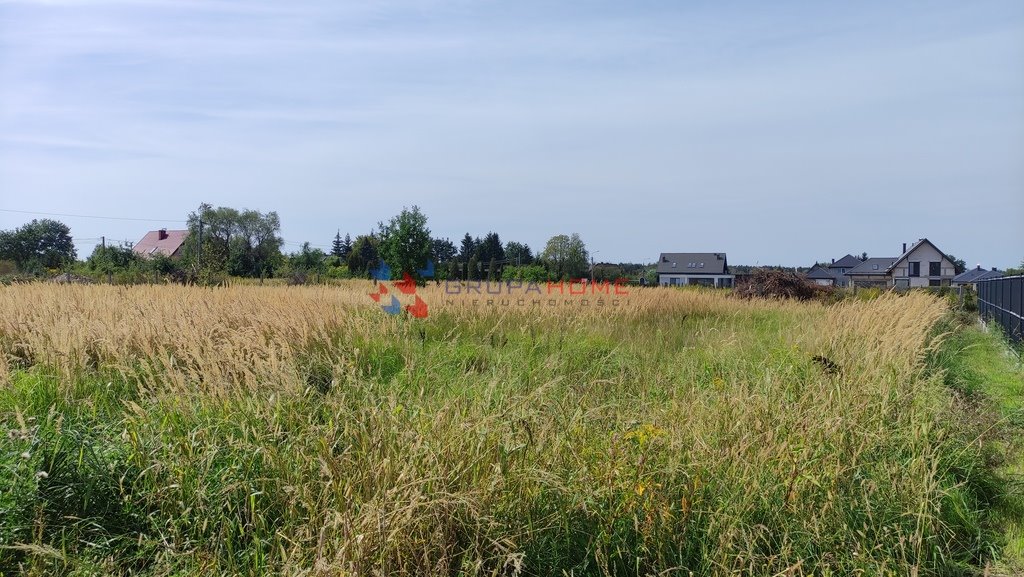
[[303, 431]]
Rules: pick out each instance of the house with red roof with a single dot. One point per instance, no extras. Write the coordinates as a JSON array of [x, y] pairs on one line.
[[166, 242]]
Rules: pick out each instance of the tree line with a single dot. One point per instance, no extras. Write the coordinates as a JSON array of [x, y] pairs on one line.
[[228, 242]]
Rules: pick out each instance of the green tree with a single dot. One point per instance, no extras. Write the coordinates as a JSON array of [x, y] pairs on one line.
[[525, 273], [442, 250], [1016, 271], [453, 270], [338, 246], [346, 246], [111, 259], [364, 255], [959, 264], [492, 270], [566, 256], [490, 248], [473, 269], [467, 249], [40, 244], [518, 253], [307, 261], [405, 243], [241, 243]]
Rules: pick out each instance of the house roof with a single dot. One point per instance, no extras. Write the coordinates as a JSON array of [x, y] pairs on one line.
[[914, 247], [693, 263], [166, 242], [977, 274], [848, 261], [873, 266], [820, 272]]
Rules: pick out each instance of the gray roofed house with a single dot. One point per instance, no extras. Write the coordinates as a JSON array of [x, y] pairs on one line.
[[847, 262], [974, 275], [823, 276], [840, 267], [922, 265], [694, 268], [872, 272]]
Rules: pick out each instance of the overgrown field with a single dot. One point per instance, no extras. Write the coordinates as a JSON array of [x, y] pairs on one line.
[[303, 431]]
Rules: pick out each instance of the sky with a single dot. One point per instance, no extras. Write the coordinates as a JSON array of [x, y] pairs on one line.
[[777, 132]]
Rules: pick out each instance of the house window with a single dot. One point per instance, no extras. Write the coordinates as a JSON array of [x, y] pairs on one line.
[[934, 282], [874, 267], [935, 269], [673, 265], [915, 269], [701, 265]]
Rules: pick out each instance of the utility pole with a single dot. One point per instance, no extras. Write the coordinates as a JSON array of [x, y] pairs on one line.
[[103, 239]]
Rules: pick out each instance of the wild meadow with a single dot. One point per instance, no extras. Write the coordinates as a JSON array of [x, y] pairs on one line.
[[170, 430]]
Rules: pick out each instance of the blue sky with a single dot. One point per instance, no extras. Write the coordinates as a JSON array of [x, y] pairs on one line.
[[781, 132]]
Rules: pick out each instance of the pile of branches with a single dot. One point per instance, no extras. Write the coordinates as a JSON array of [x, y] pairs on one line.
[[767, 284]]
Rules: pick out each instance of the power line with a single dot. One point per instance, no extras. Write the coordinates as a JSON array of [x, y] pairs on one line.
[[90, 216]]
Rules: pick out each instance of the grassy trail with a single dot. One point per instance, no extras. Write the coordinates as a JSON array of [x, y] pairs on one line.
[[979, 362]]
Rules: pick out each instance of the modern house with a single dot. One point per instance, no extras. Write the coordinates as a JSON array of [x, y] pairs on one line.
[[976, 275], [922, 265], [166, 242], [820, 275], [873, 272], [709, 269], [840, 267]]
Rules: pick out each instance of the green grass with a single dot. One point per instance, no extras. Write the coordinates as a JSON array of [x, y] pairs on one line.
[[981, 364], [658, 444]]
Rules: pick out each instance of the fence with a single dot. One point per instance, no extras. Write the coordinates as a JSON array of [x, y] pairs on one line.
[[1002, 299]]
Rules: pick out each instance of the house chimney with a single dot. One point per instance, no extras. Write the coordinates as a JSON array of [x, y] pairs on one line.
[[994, 269], [163, 234], [833, 261], [904, 248]]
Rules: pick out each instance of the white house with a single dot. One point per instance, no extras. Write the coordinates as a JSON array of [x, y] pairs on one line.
[[922, 265], [709, 269]]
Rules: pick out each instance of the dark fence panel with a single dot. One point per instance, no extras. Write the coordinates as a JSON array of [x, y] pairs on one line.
[[1002, 300]]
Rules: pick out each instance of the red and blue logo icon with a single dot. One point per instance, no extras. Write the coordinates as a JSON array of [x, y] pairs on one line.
[[406, 286]]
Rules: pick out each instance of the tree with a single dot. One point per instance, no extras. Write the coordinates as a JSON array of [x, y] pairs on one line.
[[308, 260], [1016, 271], [405, 242], [525, 273], [468, 248], [346, 246], [364, 255], [241, 243], [338, 246], [453, 270], [442, 250], [490, 248], [473, 269], [110, 259], [492, 270], [565, 256], [518, 253], [959, 265], [37, 245]]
